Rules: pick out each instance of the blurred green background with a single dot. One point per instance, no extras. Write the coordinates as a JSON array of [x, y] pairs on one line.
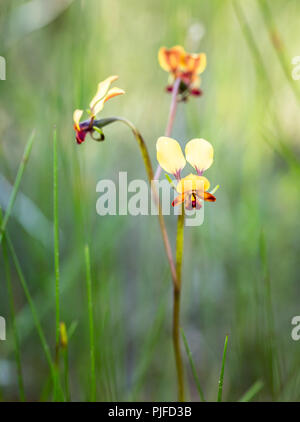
[[241, 267]]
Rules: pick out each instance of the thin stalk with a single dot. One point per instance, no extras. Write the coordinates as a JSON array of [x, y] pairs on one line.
[[13, 318], [176, 306], [91, 322], [56, 262], [16, 186], [33, 310], [171, 118], [66, 374], [192, 365], [260, 66], [64, 344], [147, 162], [278, 45], [221, 379], [56, 243], [253, 390]]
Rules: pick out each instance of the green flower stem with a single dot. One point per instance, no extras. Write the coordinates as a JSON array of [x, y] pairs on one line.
[[13, 317], [221, 379], [16, 185], [91, 322], [56, 244], [176, 306], [147, 162]]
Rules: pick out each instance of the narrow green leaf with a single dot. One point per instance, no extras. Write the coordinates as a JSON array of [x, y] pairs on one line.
[[13, 317], [91, 322], [253, 390], [192, 365], [16, 184], [221, 379]]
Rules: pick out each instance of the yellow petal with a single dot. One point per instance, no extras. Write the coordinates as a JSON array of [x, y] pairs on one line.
[[193, 182], [76, 117], [170, 59], [169, 155], [113, 92], [102, 89], [195, 63], [199, 153]]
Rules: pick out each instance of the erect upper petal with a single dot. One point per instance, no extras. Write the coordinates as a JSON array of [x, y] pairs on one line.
[[102, 89], [170, 155], [76, 117], [170, 59], [113, 92], [195, 63], [199, 153]]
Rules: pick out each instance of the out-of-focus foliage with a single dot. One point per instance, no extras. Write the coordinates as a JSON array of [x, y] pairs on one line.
[[241, 267]]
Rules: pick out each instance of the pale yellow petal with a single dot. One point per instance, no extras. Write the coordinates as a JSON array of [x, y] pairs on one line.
[[199, 153], [76, 117], [193, 182], [169, 155], [170, 59], [102, 89], [113, 92]]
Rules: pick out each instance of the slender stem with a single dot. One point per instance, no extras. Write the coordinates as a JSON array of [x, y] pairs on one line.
[[16, 185], [221, 379], [91, 322], [172, 113], [56, 262], [192, 364], [176, 307], [13, 317], [56, 243], [66, 369], [33, 311], [147, 162], [278, 45]]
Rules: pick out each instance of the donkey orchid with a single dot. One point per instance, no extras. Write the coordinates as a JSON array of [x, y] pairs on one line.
[[185, 66], [104, 93], [193, 188]]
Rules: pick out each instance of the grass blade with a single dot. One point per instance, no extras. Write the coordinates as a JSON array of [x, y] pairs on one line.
[[221, 379], [278, 45], [13, 317], [193, 367], [16, 184], [56, 262], [33, 309], [56, 241], [253, 390], [91, 322]]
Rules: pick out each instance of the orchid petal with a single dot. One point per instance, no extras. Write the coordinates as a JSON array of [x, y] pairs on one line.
[[170, 155], [199, 153]]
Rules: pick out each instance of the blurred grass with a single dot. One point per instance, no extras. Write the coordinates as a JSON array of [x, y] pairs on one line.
[[252, 119]]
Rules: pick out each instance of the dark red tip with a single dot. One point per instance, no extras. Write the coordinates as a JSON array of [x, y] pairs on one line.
[[196, 92]]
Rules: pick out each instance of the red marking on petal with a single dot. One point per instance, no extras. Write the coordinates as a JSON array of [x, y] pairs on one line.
[[196, 92]]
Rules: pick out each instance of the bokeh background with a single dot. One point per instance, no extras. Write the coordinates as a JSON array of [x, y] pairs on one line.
[[241, 267]]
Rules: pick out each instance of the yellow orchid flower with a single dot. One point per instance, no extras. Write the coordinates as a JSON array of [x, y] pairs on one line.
[[193, 188], [183, 65], [103, 94]]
